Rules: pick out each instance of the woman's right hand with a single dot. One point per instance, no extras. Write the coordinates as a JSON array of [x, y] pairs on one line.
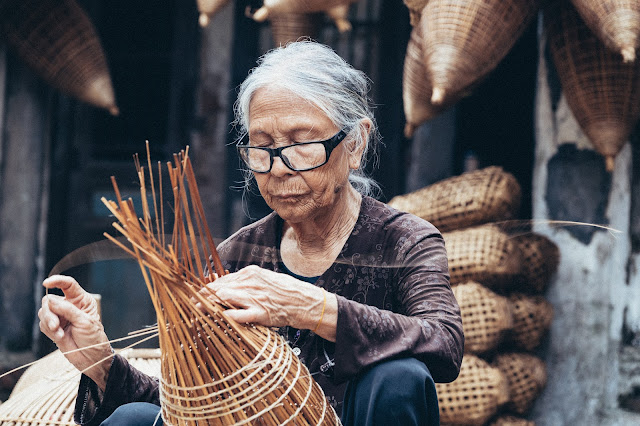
[[72, 322]]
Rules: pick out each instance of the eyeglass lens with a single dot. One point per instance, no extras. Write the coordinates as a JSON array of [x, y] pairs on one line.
[[298, 157]]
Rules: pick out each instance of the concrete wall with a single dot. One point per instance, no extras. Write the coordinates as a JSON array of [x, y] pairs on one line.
[[592, 368]]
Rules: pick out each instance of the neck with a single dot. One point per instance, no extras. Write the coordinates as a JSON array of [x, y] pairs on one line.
[[328, 230]]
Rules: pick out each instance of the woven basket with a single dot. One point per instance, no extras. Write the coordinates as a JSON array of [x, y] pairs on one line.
[[46, 392], [532, 316], [415, 10], [486, 317], [506, 420], [475, 396], [208, 8], [602, 91], [416, 87], [56, 38], [465, 40], [214, 370], [526, 375], [289, 27], [540, 259], [615, 22], [472, 198], [483, 254]]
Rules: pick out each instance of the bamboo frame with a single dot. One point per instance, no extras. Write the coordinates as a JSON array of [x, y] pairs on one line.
[[214, 370]]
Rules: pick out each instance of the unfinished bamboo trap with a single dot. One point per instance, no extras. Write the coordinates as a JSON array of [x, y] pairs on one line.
[[214, 370]]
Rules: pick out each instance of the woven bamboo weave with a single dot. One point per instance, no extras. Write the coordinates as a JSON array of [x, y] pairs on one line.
[[208, 8], [46, 392], [472, 198], [465, 40], [57, 39], [532, 316], [540, 259], [483, 254], [416, 87], [506, 420], [526, 375], [486, 317], [475, 396], [602, 91], [289, 27], [615, 22], [214, 370]]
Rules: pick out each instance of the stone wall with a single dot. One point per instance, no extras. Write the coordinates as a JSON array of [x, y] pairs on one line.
[[593, 350]]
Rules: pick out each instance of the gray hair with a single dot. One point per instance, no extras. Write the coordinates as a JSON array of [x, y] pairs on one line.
[[319, 75]]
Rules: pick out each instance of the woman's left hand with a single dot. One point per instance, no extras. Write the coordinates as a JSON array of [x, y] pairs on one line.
[[272, 299]]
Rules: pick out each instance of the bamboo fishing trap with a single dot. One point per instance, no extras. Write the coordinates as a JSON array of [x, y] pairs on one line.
[[214, 370]]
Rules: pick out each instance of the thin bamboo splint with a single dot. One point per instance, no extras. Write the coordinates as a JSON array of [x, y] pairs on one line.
[[214, 370]]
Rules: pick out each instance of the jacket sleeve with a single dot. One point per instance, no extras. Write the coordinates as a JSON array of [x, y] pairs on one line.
[[125, 384], [427, 325]]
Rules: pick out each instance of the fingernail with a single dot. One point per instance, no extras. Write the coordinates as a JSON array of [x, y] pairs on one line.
[[51, 325], [59, 333]]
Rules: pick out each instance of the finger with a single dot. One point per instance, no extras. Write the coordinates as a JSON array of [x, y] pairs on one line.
[[49, 322], [68, 285], [244, 316]]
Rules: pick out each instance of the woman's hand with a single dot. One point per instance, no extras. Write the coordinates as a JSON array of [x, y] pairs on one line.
[[72, 322], [271, 299]]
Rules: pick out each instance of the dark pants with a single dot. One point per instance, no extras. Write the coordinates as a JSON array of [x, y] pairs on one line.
[[399, 392]]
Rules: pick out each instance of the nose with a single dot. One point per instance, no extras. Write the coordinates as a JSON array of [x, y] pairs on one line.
[[280, 169]]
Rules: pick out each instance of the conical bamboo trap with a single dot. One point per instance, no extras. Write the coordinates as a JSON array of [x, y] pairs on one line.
[[57, 39], [416, 87], [532, 316], [475, 396], [473, 198], [465, 40], [602, 91], [214, 370], [486, 317], [616, 22], [526, 375], [540, 259], [208, 8], [46, 393], [483, 254], [278, 7], [415, 10]]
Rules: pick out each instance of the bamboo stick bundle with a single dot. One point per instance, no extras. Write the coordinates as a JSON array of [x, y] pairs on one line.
[[214, 370]]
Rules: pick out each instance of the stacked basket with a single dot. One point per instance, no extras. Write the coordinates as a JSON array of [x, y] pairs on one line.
[[499, 270]]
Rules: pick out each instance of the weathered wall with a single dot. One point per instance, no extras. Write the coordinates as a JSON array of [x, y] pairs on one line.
[[595, 294]]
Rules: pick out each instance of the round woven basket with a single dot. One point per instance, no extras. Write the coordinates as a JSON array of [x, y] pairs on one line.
[[602, 91], [615, 22], [46, 392], [540, 259], [532, 316], [507, 420], [485, 317], [290, 27], [483, 254], [416, 87], [208, 8], [475, 396], [472, 198], [465, 40], [57, 39], [526, 375]]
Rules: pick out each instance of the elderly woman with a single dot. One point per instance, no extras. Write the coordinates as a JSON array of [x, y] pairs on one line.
[[359, 290]]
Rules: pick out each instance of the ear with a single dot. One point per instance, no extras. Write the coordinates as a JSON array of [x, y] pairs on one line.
[[356, 148]]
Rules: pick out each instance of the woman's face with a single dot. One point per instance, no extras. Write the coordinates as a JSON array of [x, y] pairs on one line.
[[278, 118]]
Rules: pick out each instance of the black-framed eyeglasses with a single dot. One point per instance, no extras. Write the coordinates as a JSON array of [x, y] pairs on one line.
[[299, 157]]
